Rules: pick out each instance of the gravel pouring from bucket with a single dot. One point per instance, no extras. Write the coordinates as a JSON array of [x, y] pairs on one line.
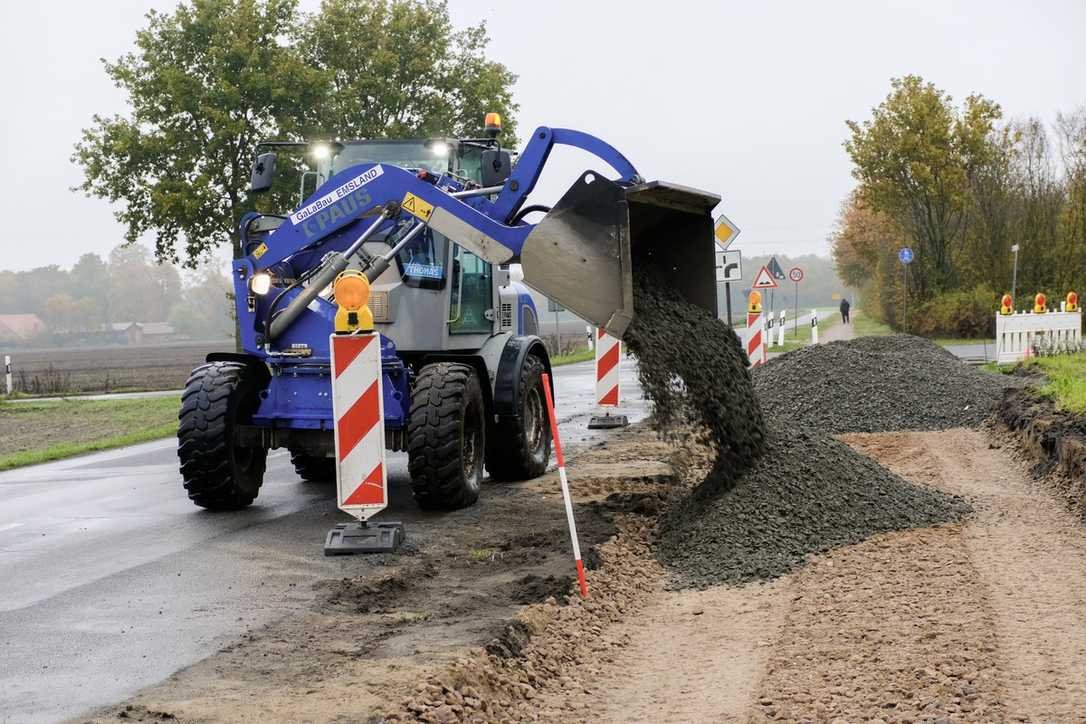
[[587, 250]]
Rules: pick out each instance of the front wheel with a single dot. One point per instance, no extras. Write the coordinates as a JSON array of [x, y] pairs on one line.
[[520, 449], [446, 436], [218, 474]]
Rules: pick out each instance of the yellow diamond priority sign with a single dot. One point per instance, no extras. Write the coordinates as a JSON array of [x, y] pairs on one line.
[[725, 231]]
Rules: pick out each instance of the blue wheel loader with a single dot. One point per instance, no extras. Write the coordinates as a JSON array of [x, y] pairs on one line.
[[418, 236]]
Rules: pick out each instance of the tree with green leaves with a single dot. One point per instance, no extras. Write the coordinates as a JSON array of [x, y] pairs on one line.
[[914, 159], [398, 68], [205, 84], [210, 80]]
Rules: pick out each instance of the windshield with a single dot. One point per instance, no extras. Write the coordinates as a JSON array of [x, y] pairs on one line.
[[430, 155]]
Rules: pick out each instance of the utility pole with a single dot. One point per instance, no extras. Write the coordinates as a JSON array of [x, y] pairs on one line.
[[1014, 278]]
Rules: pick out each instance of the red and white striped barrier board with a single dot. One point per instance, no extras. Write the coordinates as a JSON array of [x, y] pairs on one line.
[[607, 369], [565, 483], [358, 409], [756, 338]]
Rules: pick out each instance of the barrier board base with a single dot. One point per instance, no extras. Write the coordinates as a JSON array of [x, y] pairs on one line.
[[607, 422], [348, 538]]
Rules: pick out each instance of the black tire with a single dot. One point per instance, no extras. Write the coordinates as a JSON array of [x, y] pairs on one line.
[[521, 449], [313, 468], [446, 436], [219, 475]]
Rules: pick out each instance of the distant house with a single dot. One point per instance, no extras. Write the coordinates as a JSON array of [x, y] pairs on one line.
[[20, 326], [143, 332]]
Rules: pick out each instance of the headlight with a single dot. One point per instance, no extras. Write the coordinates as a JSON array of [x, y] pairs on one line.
[[260, 283]]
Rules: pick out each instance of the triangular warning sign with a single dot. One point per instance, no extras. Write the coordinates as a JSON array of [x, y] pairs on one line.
[[774, 268], [764, 280]]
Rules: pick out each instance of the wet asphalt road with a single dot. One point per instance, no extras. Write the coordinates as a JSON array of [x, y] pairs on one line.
[[111, 580]]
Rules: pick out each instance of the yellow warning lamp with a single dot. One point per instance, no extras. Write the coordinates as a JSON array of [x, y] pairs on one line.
[[755, 302], [1005, 304], [1072, 302], [1039, 303], [352, 293], [492, 124]]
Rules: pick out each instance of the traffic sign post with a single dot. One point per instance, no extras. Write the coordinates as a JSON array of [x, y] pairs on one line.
[[796, 275], [905, 256], [725, 231], [729, 268]]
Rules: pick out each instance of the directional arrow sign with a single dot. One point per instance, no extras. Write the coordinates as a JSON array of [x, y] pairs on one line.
[[728, 266], [725, 231], [764, 280]]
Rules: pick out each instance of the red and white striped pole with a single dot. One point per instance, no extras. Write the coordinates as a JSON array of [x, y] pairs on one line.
[[565, 485], [608, 387], [756, 336]]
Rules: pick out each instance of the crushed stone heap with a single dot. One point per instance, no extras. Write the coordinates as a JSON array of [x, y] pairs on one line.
[[876, 384]]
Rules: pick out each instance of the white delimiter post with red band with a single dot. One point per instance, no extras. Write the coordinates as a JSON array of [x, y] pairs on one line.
[[361, 476], [608, 382], [582, 583], [756, 342]]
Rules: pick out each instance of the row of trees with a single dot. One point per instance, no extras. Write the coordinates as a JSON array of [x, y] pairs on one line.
[[960, 185], [210, 80], [127, 287]]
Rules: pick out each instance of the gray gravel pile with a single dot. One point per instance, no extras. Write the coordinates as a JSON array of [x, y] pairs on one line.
[[807, 494], [693, 369], [876, 384], [776, 495]]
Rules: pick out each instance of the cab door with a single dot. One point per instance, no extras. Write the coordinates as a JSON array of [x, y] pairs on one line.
[[471, 301]]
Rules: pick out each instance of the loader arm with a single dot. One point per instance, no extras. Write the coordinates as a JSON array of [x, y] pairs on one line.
[[582, 254]]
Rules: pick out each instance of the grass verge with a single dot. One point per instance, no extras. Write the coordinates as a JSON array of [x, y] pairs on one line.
[[581, 355], [37, 432], [1066, 375]]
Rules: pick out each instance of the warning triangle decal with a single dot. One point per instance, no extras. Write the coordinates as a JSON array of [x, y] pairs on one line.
[[764, 280]]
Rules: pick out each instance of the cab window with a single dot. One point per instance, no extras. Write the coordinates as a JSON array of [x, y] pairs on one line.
[[472, 294]]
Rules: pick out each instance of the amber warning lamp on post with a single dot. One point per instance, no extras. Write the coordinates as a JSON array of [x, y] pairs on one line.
[[755, 302], [1005, 304], [1039, 303], [352, 295], [1072, 302]]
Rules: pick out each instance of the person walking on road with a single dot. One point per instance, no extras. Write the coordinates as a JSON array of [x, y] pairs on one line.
[[844, 310]]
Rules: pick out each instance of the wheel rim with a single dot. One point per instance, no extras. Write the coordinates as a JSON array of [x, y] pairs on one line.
[[533, 419]]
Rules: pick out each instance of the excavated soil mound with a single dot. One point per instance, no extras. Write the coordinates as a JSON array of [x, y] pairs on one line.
[[876, 384], [809, 493]]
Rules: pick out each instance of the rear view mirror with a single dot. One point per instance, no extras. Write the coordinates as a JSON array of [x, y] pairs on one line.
[[263, 173], [496, 167]]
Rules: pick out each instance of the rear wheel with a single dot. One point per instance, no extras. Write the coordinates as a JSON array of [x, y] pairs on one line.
[[218, 474], [520, 449], [313, 468], [446, 436]]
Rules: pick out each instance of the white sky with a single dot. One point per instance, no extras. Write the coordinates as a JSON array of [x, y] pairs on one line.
[[746, 99]]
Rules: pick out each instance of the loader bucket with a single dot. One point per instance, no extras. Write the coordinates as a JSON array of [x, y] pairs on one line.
[[585, 252]]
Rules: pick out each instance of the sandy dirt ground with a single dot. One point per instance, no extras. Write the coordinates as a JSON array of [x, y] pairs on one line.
[[979, 621]]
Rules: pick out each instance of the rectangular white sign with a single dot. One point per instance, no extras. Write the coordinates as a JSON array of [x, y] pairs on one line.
[[336, 194], [729, 266]]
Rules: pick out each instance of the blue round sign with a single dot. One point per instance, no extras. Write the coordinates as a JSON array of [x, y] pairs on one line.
[[905, 255]]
